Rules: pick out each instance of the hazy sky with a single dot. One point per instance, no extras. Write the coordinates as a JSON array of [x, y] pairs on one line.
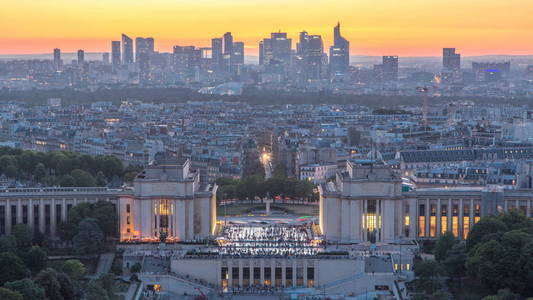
[[373, 27]]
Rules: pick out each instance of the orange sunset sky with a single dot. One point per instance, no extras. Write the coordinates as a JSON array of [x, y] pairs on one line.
[[373, 27]]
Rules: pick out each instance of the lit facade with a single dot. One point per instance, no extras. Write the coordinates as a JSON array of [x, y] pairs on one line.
[[168, 198], [366, 203]]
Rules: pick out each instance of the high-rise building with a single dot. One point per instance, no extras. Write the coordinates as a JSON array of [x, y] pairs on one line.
[[237, 56], [115, 53], [227, 51], [228, 43], [390, 68], [57, 58], [81, 57], [143, 45], [105, 58], [217, 53], [127, 49], [491, 71], [186, 59], [339, 53], [143, 60], [451, 61], [275, 50], [311, 56]]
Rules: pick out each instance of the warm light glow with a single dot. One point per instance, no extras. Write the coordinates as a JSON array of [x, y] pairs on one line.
[[409, 27], [443, 224], [455, 226], [421, 226], [432, 226], [466, 226]]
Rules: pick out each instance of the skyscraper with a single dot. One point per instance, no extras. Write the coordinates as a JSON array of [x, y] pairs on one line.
[[339, 53], [310, 51], [127, 49], [276, 49], [451, 61], [237, 56], [228, 43], [143, 45], [217, 47], [227, 50], [81, 57], [143, 60], [57, 58], [115, 53], [390, 68]]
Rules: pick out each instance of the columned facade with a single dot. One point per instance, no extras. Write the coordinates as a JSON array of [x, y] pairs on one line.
[[44, 209], [168, 199], [364, 204]]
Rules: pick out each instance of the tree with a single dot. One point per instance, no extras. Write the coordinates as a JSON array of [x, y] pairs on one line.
[[39, 239], [6, 294], [484, 264], [485, 226], [454, 263], [35, 259], [94, 291], [101, 180], [106, 216], [11, 268], [8, 243], [23, 235], [427, 272], [90, 238], [67, 181], [67, 287], [526, 261], [443, 245], [280, 171], [503, 294], [11, 171], [107, 281], [47, 279], [39, 172], [27, 288], [74, 268], [82, 178]]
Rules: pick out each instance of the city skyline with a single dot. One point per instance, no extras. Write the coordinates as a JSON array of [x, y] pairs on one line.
[[383, 28]]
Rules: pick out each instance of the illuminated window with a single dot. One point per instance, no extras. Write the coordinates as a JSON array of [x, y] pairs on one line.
[[406, 221], [432, 226], [421, 220], [421, 226], [371, 222], [455, 226], [476, 219], [443, 224], [466, 226]]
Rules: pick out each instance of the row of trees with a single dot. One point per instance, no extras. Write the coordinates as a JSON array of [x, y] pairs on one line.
[[498, 254], [257, 186], [250, 95], [26, 275], [63, 168]]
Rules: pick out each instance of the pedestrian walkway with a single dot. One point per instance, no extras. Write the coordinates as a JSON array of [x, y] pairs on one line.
[[105, 261]]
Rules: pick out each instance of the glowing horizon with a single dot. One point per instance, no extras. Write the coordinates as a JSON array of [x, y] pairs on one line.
[[378, 27]]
